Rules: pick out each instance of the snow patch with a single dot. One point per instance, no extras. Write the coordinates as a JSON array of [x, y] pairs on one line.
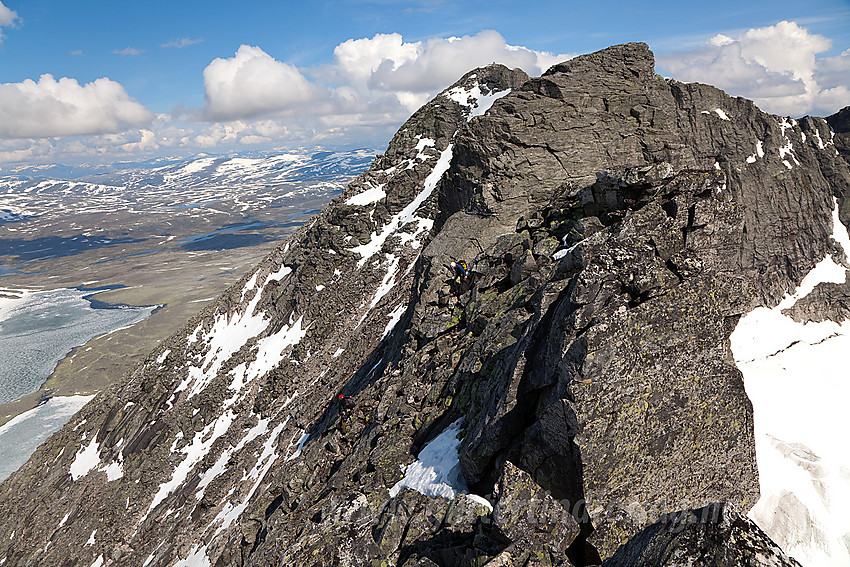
[[297, 453], [193, 337], [437, 470], [237, 164], [269, 353], [564, 251], [270, 349], [820, 141], [561, 253], [386, 284], [278, 275], [408, 214], [485, 101], [161, 358], [719, 112], [229, 334], [64, 519], [197, 558], [97, 562], [290, 399], [421, 145], [475, 99], [395, 317], [114, 470], [481, 500], [249, 285], [86, 460], [794, 374], [367, 197], [787, 149], [198, 165], [230, 512], [758, 153]]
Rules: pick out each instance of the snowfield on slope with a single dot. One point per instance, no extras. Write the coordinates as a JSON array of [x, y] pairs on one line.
[[796, 377], [475, 99]]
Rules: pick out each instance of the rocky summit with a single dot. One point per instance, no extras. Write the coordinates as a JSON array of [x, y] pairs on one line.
[[526, 303]]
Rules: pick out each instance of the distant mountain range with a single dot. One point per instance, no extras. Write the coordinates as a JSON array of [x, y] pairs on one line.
[[167, 183], [206, 202]]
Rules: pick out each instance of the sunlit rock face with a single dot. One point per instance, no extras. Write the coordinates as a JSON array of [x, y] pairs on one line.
[[569, 388]]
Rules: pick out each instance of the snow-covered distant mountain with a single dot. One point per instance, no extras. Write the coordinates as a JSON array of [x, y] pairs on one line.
[[205, 202], [246, 181]]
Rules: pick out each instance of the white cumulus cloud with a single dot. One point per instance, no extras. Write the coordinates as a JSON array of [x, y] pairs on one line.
[[146, 141], [50, 108], [377, 79], [8, 18], [251, 84], [776, 66], [358, 59], [415, 71]]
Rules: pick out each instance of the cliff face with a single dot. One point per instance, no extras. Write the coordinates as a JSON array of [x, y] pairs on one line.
[[616, 225]]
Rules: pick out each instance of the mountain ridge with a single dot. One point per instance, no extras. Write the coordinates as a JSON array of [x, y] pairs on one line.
[[615, 230]]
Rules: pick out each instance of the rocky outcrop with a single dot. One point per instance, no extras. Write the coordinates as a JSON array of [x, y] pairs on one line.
[[840, 124], [713, 535], [615, 225]]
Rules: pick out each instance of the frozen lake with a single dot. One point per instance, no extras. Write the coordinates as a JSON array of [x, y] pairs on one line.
[[37, 330], [41, 327], [21, 436]]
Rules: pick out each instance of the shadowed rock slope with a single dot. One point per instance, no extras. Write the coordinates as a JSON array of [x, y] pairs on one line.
[[714, 535], [615, 224]]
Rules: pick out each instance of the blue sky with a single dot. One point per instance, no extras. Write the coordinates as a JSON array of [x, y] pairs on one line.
[[176, 78]]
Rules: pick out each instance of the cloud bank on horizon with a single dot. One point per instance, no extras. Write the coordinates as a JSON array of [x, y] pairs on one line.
[[51, 108], [371, 85], [776, 66]]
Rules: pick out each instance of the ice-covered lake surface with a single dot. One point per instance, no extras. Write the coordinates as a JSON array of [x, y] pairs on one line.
[[38, 329], [21, 436]]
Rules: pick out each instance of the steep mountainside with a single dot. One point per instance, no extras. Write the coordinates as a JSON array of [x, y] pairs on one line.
[[574, 387]]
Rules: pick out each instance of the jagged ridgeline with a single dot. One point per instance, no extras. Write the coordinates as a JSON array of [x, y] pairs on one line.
[[575, 386]]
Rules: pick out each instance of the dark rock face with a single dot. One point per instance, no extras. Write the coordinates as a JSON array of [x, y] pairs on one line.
[[530, 519], [713, 535], [615, 225], [840, 124]]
